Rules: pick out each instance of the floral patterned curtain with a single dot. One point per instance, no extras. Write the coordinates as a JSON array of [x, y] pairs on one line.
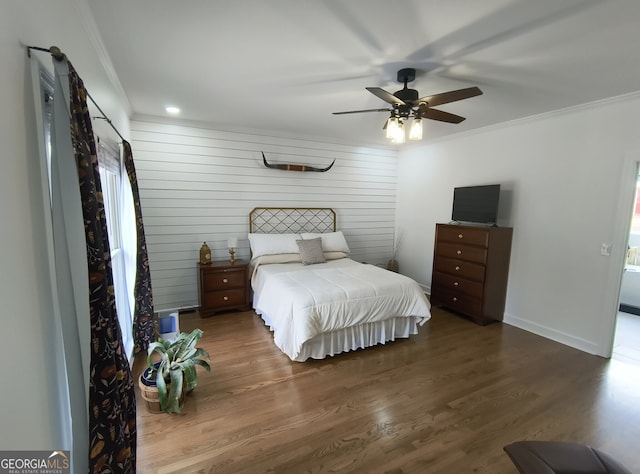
[[112, 404], [145, 330]]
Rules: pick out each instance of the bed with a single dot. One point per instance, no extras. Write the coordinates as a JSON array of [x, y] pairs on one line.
[[316, 300]]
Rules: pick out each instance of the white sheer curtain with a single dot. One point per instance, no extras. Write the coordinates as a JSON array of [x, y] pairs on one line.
[[129, 249], [122, 239]]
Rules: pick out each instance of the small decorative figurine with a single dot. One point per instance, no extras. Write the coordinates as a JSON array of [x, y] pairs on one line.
[[232, 243]]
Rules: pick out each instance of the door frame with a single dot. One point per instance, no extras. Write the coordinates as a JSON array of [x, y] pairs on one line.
[[620, 240]]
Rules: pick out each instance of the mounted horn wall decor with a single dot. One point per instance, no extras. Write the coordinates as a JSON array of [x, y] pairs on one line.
[[289, 167]]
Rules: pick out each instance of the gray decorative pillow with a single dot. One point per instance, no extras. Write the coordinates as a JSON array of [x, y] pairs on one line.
[[311, 251]]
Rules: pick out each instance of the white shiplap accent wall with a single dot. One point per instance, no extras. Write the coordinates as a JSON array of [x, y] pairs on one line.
[[199, 184]]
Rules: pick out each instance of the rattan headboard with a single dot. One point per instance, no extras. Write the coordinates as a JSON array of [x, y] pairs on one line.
[[283, 220]]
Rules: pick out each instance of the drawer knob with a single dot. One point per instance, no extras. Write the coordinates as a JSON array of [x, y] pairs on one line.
[[224, 280], [454, 299], [460, 236], [226, 298], [455, 283], [459, 252], [457, 268]]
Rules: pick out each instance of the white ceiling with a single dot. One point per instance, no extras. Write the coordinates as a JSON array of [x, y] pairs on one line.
[[285, 65]]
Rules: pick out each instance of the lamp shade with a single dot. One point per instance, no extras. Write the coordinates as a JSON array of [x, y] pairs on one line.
[[232, 242]]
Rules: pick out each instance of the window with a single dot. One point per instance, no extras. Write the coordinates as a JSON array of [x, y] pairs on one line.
[[112, 189], [46, 106], [111, 179]]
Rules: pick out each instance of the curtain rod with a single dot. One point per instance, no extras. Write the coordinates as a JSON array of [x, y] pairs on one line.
[[59, 55]]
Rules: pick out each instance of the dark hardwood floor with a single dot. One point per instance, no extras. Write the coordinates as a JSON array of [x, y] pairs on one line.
[[444, 401]]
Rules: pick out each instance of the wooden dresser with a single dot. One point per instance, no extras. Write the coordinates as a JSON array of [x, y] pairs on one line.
[[470, 270], [223, 286]]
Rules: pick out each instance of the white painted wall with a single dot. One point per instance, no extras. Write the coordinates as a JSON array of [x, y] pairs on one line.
[[199, 184], [562, 175], [28, 410]]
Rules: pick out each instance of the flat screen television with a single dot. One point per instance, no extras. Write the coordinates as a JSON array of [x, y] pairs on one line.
[[477, 204]]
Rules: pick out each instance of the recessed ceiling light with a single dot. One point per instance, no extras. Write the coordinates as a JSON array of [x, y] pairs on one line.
[[172, 110]]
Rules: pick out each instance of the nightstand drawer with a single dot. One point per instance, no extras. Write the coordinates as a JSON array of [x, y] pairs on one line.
[[468, 270], [462, 252], [220, 280], [224, 298]]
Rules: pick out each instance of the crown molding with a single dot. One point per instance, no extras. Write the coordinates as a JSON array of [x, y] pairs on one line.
[[595, 104]]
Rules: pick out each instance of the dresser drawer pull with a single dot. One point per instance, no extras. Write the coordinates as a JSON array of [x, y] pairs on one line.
[[226, 298], [455, 283], [224, 280], [454, 299], [459, 252], [460, 236], [457, 268]]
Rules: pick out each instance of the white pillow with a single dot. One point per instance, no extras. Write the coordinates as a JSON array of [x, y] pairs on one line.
[[335, 255], [276, 258], [331, 241], [272, 244]]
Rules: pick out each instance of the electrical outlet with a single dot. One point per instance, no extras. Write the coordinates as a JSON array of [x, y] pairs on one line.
[[605, 250]]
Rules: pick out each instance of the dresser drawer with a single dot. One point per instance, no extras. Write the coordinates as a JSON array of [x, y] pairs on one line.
[[468, 270], [462, 252], [457, 301], [224, 298], [220, 280], [464, 235], [456, 284]]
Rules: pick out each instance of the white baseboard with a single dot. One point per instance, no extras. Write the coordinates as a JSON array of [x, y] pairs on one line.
[[584, 345]]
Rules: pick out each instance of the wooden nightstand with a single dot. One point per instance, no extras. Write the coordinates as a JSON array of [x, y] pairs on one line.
[[223, 286]]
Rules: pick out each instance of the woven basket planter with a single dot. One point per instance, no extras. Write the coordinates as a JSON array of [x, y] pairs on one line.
[[150, 397]]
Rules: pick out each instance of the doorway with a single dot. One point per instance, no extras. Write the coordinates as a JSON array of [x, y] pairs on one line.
[[626, 344]]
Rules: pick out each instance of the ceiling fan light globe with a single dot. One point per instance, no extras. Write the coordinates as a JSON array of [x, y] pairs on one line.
[[416, 129], [392, 127], [399, 136]]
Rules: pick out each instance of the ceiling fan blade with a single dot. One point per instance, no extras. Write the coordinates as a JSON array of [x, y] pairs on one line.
[[361, 111], [451, 96], [441, 116], [386, 96]]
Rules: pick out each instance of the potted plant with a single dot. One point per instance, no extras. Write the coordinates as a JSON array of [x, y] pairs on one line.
[[165, 381]]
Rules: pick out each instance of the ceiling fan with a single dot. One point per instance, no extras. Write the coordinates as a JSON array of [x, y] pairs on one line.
[[407, 103]]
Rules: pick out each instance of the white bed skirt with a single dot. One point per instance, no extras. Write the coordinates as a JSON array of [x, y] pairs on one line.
[[355, 337]]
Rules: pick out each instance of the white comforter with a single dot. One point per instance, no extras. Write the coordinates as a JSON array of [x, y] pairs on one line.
[[299, 302]]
